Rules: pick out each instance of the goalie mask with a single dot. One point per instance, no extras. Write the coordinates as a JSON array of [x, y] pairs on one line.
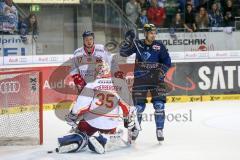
[[102, 70]]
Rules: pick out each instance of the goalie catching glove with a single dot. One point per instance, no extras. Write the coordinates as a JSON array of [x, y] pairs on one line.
[[71, 119], [131, 120]]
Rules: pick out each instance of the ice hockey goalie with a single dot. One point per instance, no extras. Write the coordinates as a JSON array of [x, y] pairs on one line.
[[103, 100]]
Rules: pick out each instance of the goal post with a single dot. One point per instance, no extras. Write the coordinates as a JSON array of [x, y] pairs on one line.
[[21, 107]]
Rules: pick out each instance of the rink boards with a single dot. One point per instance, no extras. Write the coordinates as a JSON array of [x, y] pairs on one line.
[[192, 81]]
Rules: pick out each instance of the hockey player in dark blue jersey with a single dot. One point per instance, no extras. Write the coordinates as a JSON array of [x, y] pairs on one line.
[[151, 64]]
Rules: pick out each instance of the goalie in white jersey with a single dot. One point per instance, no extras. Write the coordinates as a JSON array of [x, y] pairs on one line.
[[104, 98]]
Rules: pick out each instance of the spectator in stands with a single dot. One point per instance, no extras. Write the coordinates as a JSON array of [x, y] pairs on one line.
[[196, 4], [9, 17], [171, 7], [133, 10], [182, 4], [176, 26], [202, 20], [215, 16], [203, 3], [237, 6], [156, 14], [229, 14], [177, 22], [142, 19], [190, 2], [144, 4], [189, 22], [29, 27], [161, 3], [209, 4]]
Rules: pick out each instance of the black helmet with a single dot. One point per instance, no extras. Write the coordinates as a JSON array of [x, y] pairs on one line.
[[87, 33], [149, 27]]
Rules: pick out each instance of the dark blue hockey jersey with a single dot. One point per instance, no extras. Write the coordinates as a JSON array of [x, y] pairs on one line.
[[152, 61]]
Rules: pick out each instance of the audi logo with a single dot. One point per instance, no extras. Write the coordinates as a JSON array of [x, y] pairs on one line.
[[9, 87]]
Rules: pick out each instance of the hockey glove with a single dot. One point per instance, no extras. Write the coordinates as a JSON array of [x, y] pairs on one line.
[[129, 36], [131, 120], [71, 119], [79, 81], [119, 74]]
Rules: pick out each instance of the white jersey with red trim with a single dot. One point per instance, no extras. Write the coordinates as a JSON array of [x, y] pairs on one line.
[[103, 96], [87, 65], [103, 101]]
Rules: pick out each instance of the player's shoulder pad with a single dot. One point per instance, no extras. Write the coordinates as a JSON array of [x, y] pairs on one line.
[[78, 52], [99, 48], [157, 44]]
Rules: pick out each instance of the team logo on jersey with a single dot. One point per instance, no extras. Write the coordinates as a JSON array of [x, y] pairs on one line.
[[145, 55], [102, 69], [89, 59], [156, 47]]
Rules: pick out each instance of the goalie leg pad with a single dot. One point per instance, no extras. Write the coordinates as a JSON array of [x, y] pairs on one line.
[[72, 142], [97, 144], [107, 142]]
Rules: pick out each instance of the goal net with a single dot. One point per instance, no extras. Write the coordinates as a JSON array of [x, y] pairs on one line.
[[20, 108]]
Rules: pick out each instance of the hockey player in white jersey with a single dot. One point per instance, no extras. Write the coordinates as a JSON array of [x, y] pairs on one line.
[[103, 99]]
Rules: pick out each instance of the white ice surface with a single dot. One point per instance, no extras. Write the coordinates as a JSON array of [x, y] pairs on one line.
[[213, 134]]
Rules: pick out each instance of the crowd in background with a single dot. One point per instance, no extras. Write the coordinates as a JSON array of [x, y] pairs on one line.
[[192, 15], [10, 23]]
